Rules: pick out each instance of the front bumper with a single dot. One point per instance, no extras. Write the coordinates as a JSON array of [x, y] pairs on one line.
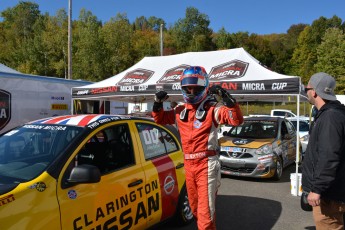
[[248, 166]]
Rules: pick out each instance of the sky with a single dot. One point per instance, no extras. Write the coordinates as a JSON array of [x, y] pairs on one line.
[[253, 16]]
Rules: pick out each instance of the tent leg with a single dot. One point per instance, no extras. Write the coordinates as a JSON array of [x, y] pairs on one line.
[[297, 146]]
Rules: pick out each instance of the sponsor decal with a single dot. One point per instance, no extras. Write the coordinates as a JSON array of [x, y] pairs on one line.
[[123, 212], [228, 71], [233, 149], [279, 86], [159, 87], [172, 75], [6, 199], [82, 92], [72, 194], [5, 108], [43, 127], [109, 89], [169, 184], [197, 124], [266, 159], [143, 87], [57, 98], [226, 85], [253, 86], [241, 141], [95, 124], [135, 77], [165, 168], [262, 86], [230, 114], [59, 107], [41, 186], [176, 86]]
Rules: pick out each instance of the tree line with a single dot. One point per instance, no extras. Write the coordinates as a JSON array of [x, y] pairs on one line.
[[36, 43]]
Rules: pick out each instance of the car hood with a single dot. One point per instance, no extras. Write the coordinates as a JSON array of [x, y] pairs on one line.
[[245, 142]]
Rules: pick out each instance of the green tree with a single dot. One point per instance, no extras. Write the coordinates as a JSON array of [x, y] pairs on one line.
[[192, 33], [54, 40], [259, 47], [222, 39], [141, 23], [19, 30], [118, 36], [305, 56], [88, 48], [331, 56], [146, 43], [239, 39], [283, 48], [20, 19], [155, 23], [278, 51]]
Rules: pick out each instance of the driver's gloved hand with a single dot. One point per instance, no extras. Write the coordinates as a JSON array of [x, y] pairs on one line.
[[159, 98], [228, 99]]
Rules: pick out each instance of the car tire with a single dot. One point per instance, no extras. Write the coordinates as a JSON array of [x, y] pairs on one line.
[[279, 169], [184, 215]]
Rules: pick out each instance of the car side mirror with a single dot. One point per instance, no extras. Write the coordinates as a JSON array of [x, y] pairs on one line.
[[84, 174]]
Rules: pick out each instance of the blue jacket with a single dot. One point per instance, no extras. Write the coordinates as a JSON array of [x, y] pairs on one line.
[[323, 168]]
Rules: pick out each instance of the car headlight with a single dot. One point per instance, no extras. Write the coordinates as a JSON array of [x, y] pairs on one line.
[[264, 150], [305, 138]]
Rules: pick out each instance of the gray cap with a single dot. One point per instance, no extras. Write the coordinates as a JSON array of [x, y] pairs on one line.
[[323, 85]]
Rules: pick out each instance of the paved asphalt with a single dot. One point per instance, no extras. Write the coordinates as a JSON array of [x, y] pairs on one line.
[[257, 204]]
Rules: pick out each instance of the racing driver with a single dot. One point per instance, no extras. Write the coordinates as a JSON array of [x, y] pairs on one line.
[[198, 121]]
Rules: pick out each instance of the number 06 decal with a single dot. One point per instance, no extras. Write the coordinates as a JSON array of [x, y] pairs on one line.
[[150, 136]]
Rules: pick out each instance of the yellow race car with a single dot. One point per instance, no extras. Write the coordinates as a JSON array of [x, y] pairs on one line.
[[91, 172]]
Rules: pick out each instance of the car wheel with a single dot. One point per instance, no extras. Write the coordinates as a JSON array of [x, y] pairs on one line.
[[184, 213], [279, 169]]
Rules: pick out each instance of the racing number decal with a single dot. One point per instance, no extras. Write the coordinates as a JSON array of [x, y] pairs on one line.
[[150, 136], [168, 185]]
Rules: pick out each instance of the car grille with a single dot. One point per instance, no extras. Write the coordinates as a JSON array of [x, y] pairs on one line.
[[236, 154], [238, 170]]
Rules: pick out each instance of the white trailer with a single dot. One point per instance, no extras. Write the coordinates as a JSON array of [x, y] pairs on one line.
[[26, 97]]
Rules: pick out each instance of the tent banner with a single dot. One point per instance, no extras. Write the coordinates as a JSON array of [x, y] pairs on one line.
[[274, 86]]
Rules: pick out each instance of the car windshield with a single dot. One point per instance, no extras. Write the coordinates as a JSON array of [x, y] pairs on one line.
[[27, 151], [255, 129], [303, 126]]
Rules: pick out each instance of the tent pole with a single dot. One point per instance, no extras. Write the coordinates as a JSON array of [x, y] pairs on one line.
[[297, 145]]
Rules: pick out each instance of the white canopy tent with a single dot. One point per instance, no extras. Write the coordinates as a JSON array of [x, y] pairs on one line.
[[233, 69]]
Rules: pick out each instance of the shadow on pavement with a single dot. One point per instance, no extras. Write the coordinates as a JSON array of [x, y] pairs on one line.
[[240, 212]]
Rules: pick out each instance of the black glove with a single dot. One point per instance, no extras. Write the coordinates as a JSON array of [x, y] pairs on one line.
[[161, 96], [228, 100], [157, 106]]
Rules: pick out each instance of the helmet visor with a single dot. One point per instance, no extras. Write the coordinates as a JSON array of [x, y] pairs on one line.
[[193, 90], [193, 80]]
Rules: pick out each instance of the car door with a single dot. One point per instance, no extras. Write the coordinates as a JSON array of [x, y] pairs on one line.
[[288, 142], [163, 166], [293, 141], [118, 200]]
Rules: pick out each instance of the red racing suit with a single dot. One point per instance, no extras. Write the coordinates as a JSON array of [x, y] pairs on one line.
[[200, 147]]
